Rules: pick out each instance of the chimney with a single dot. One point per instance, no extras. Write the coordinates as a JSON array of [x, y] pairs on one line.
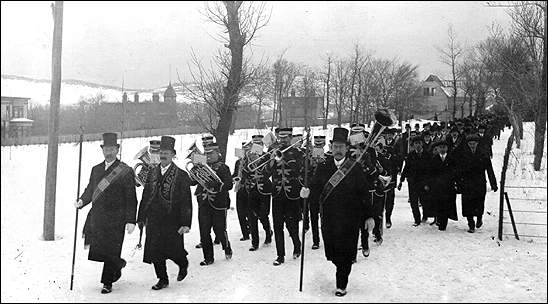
[[136, 98], [155, 97], [124, 98]]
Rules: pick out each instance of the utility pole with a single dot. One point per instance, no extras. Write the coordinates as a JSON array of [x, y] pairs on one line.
[[53, 139]]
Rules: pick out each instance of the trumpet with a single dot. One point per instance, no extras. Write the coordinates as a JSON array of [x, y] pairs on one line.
[[264, 159], [147, 163]]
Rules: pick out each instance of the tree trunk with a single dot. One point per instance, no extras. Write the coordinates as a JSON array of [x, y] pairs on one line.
[[222, 132], [326, 115], [540, 120], [258, 124], [53, 139]]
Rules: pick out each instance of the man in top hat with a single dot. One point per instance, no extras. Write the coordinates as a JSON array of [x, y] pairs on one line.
[[455, 141], [416, 171], [486, 140], [417, 128], [442, 184], [213, 202], [259, 189], [166, 212], [427, 142], [403, 143], [240, 176], [475, 163], [286, 172], [111, 192], [339, 187]]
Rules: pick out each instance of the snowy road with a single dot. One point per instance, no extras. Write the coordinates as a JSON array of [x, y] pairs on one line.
[[418, 264]]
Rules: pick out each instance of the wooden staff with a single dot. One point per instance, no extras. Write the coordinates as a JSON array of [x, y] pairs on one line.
[[77, 197]]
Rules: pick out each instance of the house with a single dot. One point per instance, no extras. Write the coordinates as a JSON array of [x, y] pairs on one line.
[[434, 100], [15, 121], [293, 110]]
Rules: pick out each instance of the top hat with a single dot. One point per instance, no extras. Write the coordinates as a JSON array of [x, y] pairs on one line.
[[167, 143], [408, 126], [340, 135], [155, 146], [110, 139]]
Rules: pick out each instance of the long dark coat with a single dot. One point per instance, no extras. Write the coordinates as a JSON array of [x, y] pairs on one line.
[[106, 220], [341, 210], [442, 186], [165, 215], [472, 175], [417, 172]]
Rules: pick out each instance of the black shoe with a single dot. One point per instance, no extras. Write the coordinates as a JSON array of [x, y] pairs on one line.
[[365, 252], [199, 245], [107, 288], [340, 292], [433, 223], [471, 230], [416, 224], [244, 238], [315, 246], [479, 223], [228, 253], [378, 241], [424, 219], [183, 271], [118, 273], [253, 248], [206, 262], [296, 254], [278, 261], [388, 224], [441, 229], [268, 239], [216, 242], [160, 285]]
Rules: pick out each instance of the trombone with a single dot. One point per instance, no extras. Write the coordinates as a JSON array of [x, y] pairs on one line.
[[264, 159]]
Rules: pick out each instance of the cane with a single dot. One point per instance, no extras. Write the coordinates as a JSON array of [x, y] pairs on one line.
[[138, 246], [305, 211], [77, 197]]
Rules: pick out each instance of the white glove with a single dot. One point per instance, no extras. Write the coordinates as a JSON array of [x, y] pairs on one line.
[[305, 192], [130, 227], [78, 204], [369, 224], [183, 229]]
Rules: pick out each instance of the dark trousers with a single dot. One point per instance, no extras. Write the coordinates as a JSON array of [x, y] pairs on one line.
[[211, 218], [343, 271], [415, 195], [259, 209], [442, 222], [314, 219], [389, 205], [242, 208], [471, 222], [111, 267], [285, 211], [378, 208], [161, 269]]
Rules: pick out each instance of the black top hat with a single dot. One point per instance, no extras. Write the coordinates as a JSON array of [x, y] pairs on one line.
[[167, 143], [110, 139], [407, 126], [340, 135], [417, 125]]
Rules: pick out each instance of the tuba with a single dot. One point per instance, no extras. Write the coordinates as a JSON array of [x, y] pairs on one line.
[[200, 172], [146, 165]]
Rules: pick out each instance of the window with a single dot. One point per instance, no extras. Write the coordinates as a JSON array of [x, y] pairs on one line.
[[18, 112], [425, 92], [432, 91]]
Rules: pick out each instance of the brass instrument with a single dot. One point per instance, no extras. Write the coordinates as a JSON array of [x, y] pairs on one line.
[[383, 119], [202, 173], [147, 163], [264, 159]]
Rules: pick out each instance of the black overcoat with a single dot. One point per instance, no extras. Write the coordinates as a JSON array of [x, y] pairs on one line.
[[442, 186], [472, 175]]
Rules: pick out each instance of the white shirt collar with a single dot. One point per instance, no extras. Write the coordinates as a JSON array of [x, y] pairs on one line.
[[443, 156], [164, 169], [108, 164], [338, 163]]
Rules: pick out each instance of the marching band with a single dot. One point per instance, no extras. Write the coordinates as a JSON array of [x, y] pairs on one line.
[[352, 191]]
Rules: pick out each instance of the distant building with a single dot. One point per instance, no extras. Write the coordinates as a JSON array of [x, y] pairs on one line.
[[434, 100], [15, 121], [170, 95], [293, 110]]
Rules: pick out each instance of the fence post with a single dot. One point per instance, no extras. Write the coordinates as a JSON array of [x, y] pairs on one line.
[[511, 216], [503, 181]]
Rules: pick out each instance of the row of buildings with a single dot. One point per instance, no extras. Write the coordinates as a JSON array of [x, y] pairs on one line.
[[432, 100]]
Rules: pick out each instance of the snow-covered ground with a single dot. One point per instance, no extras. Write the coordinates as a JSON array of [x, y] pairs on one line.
[[412, 265]]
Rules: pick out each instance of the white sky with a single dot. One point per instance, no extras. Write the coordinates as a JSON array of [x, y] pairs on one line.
[[101, 40]]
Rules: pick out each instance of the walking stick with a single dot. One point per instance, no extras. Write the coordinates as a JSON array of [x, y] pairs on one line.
[[77, 197], [305, 209], [138, 246]]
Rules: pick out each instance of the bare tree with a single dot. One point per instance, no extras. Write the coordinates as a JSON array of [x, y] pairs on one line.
[[285, 73], [340, 85], [449, 55], [241, 21]]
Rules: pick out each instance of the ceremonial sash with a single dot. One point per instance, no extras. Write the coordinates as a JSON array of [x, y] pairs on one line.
[[120, 170], [336, 178]]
